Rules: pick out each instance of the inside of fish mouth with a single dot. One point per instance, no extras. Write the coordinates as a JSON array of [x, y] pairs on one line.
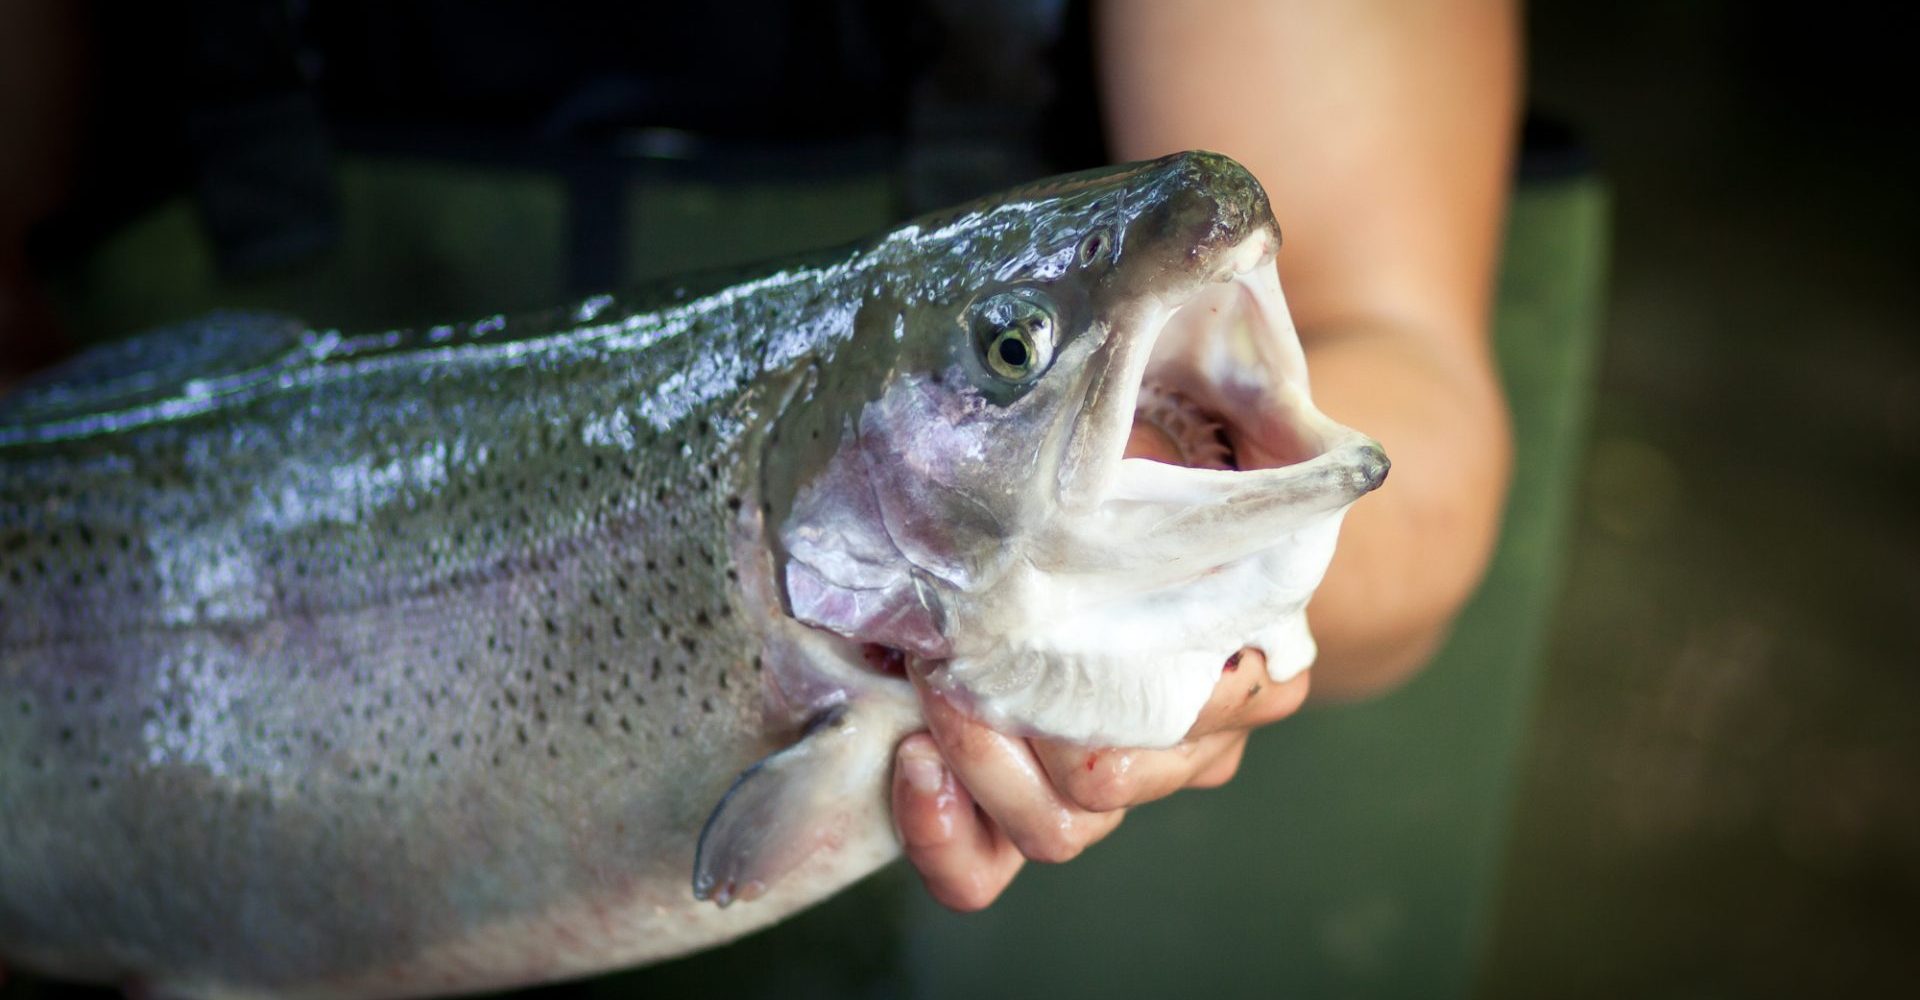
[[1170, 428], [1212, 395]]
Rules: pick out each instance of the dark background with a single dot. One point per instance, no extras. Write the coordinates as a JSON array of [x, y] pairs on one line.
[[1720, 797]]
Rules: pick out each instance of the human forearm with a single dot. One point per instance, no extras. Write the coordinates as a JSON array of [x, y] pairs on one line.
[[1382, 134], [1410, 554]]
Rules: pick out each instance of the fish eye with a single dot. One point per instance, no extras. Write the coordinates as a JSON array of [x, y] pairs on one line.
[[1014, 332], [1094, 246]]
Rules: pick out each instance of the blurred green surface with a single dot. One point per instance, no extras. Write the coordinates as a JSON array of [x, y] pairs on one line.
[[419, 243], [1721, 798]]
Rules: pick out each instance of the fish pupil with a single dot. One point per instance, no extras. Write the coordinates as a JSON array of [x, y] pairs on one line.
[[1013, 352]]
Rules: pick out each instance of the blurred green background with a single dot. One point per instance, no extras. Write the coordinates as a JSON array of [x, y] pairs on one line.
[[1722, 793], [1671, 752]]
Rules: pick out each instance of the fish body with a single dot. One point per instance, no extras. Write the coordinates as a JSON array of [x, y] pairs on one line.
[[488, 654]]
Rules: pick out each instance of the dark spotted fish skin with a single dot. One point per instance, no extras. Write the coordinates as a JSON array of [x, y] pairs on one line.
[[435, 609], [416, 662]]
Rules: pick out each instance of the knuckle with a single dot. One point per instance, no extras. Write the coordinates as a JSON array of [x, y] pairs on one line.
[[1220, 771], [1216, 776], [1279, 701], [1100, 790], [965, 896], [1052, 847], [920, 835]]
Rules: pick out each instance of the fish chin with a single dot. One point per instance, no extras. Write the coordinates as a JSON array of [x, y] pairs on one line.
[[1155, 573]]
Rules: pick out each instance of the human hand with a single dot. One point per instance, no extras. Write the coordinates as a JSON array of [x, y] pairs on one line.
[[972, 804]]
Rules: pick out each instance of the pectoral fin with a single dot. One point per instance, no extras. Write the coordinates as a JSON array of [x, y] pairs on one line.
[[824, 794]]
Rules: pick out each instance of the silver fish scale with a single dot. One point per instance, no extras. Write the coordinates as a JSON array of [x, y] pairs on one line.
[[414, 662], [302, 642]]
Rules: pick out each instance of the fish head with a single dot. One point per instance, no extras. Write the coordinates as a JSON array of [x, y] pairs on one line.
[[970, 499]]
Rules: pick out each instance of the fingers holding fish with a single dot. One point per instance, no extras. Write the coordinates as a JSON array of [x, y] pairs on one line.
[[964, 858], [1109, 779], [1010, 785], [972, 804], [1246, 698], [1102, 780], [1226, 764]]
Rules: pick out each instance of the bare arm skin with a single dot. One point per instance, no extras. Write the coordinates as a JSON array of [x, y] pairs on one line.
[[1382, 132]]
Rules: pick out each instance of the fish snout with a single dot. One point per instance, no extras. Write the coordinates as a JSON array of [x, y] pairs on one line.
[[1212, 210]]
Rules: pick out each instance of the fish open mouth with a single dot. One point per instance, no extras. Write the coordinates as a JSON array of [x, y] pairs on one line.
[[1223, 382], [1217, 398], [1169, 427]]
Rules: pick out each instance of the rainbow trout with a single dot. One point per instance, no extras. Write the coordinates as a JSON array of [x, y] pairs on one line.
[[482, 655]]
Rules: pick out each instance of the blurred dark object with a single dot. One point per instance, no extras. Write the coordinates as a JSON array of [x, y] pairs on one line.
[[248, 104], [758, 68], [41, 86], [261, 159], [29, 329], [978, 110], [1551, 151]]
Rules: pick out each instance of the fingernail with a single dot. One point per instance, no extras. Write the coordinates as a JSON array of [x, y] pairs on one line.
[[922, 770]]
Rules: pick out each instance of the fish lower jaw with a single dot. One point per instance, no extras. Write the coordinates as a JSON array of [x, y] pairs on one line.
[[1135, 669], [1343, 470], [1107, 700]]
